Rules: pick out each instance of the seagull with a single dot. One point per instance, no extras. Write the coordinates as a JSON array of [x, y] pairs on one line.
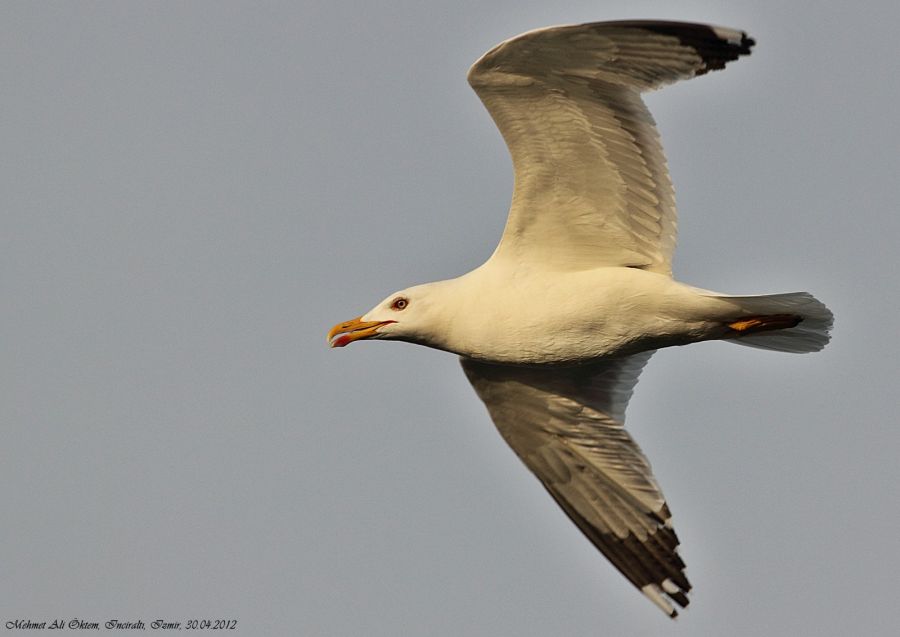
[[554, 328]]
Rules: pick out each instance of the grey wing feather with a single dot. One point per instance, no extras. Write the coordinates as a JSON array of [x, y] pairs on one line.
[[591, 183], [566, 424]]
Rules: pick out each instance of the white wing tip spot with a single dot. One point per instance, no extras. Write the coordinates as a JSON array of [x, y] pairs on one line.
[[669, 586], [731, 36], [654, 594]]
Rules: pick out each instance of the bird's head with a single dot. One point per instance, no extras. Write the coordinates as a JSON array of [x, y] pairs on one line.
[[407, 315]]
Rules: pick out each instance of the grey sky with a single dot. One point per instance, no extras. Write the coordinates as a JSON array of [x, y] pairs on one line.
[[193, 193]]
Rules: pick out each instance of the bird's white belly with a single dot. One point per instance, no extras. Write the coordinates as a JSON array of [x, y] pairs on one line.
[[581, 316]]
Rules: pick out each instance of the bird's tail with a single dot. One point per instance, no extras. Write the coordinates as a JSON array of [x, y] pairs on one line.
[[794, 322]]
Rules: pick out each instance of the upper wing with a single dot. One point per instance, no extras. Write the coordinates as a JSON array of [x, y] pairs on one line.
[[591, 184], [566, 426]]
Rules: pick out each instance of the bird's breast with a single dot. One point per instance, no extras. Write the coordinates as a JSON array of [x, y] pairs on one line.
[[561, 319]]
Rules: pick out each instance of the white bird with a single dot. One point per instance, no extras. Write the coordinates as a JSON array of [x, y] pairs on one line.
[[554, 329]]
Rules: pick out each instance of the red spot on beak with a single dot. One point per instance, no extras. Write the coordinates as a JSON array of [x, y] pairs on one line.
[[341, 340], [354, 330]]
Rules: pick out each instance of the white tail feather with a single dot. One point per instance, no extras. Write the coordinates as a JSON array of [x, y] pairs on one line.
[[810, 335]]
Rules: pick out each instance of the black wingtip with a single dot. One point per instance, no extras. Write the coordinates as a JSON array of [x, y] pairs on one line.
[[716, 46], [680, 598]]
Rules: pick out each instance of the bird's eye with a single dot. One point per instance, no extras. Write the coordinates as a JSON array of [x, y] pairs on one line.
[[399, 304]]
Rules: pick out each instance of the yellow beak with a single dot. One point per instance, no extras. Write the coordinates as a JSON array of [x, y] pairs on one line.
[[354, 330]]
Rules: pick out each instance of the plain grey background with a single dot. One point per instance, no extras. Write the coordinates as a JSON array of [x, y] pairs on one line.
[[193, 193]]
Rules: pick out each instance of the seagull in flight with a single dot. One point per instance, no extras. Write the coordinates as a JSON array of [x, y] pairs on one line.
[[554, 328]]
